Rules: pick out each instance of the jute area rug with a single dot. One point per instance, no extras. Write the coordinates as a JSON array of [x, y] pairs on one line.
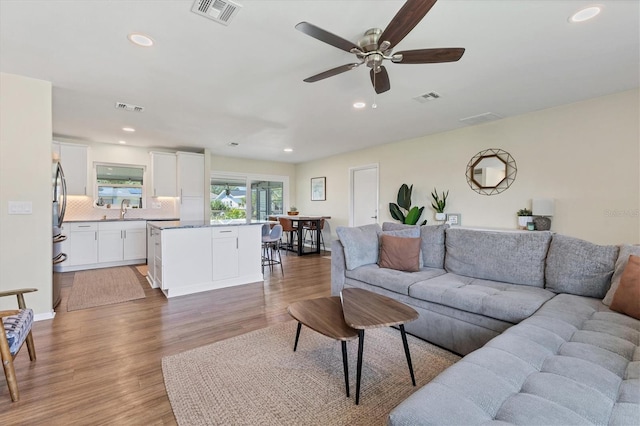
[[257, 379], [106, 286]]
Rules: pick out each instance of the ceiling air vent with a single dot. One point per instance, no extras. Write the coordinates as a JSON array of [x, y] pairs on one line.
[[217, 10], [480, 118], [129, 107], [431, 96]]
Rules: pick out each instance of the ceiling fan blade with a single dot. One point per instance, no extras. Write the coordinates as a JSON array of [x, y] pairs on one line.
[[430, 56], [405, 20], [325, 36], [330, 73], [380, 80]]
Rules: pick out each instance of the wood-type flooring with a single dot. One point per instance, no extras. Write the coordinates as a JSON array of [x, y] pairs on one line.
[[102, 365]]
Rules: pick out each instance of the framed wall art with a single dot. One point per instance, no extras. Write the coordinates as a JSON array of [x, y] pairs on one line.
[[318, 188]]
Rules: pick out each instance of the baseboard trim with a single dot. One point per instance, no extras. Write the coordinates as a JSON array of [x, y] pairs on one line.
[[43, 316]]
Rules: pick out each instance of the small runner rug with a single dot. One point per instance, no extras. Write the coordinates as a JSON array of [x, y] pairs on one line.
[[106, 286], [257, 379]]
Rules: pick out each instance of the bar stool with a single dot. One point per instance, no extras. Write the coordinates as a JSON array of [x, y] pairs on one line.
[[290, 230], [310, 228], [271, 248]]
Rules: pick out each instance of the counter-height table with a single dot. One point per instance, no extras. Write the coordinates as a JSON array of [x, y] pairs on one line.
[[298, 223]]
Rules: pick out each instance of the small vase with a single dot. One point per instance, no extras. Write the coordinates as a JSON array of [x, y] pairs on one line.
[[441, 216]]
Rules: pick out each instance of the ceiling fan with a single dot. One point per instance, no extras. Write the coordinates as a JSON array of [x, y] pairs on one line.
[[376, 46]]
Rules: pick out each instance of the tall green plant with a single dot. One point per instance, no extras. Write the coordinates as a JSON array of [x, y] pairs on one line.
[[403, 211], [438, 203]]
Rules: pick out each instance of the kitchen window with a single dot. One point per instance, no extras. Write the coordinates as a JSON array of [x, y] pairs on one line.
[[116, 183]]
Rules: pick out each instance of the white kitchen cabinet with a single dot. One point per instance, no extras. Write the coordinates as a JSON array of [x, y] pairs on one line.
[[153, 236], [121, 241], [190, 260], [81, 245], [163, 174], [224, 243], [74, 160], [190, 171]]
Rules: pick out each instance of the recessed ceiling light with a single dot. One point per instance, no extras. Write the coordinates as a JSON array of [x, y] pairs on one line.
[[359, 105], [128, 129], [585, 14], [140, 39], [122, 142], [288, 150]]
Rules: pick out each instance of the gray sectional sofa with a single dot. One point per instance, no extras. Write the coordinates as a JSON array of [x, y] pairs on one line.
[[526, 308]]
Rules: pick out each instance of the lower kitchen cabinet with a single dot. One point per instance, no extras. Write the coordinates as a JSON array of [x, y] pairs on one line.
[[189, 260], [91, 245]]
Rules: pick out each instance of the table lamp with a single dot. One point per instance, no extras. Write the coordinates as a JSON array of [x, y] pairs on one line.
[[542, 208]]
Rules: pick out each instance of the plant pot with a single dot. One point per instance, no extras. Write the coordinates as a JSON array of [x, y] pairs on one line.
[[292, 213], [441, 216], [523, 220]]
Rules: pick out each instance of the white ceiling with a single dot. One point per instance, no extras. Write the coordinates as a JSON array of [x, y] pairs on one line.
[[204, 85]]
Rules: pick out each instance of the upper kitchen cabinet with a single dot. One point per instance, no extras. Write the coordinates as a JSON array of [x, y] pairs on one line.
[[163, 174], [190, 174], [74, 160]]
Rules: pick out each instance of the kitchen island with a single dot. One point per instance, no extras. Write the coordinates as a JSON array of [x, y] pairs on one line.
[[190, 257]]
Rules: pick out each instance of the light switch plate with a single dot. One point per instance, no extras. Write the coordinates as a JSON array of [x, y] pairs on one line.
[[20, 207]]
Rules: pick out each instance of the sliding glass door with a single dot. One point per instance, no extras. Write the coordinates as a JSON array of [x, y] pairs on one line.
[[267, 196]]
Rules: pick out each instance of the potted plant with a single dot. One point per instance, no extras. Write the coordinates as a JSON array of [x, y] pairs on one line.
[[524, 216], [293, 211], [403, 211], [439, 204]]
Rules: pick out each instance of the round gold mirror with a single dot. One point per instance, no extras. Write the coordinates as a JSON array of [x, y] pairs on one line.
[[491, 171]]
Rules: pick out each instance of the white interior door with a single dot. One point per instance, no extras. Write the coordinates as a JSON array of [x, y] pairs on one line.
[[364, 195]]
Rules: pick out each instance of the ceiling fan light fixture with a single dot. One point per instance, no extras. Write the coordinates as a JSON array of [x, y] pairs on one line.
[[359, 105], [585, 14]]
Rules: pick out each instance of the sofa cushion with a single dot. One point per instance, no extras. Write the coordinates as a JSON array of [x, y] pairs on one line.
[[400, 253], [627, 296], [510, 257], [626, 250], [360, 244], [390, 279], [579, 267], [573, 362], [432, 245], [503, 301]]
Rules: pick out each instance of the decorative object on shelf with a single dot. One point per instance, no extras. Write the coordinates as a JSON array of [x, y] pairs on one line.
[[439, 204], [318, 188], [524, 217], [491, 171], [542, 209], [403, 211], [454, 219], [531, 226], [293, 211]]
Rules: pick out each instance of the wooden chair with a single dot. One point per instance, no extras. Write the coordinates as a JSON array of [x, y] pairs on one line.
[[16, 330], [290, 231]]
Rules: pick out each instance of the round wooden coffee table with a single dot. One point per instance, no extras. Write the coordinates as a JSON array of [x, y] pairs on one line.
[[324, 315]]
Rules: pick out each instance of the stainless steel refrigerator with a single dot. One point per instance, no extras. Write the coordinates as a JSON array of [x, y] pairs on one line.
[[59, 208]]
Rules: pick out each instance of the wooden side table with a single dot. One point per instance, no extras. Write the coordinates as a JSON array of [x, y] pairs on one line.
[[324, 315], [364, 309]]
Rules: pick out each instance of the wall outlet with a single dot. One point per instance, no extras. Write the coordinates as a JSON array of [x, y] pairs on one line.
[[20, 207]]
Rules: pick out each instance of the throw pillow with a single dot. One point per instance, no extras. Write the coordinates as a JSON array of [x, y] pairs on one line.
[[627, 297], [400, 253], [625, 251], [360, 244]]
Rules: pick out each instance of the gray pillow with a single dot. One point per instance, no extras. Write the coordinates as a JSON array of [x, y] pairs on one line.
[[579, 267], [626, 250], [360, 244]]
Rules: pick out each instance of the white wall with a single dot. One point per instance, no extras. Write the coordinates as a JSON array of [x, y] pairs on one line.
[[25, 175], [585, 155]]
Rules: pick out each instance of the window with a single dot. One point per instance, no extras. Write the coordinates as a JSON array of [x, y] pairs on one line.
[[116, 183], [228, 199], [266, 199]]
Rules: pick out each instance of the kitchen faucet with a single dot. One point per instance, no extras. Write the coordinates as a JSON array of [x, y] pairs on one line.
[[122, 209]]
